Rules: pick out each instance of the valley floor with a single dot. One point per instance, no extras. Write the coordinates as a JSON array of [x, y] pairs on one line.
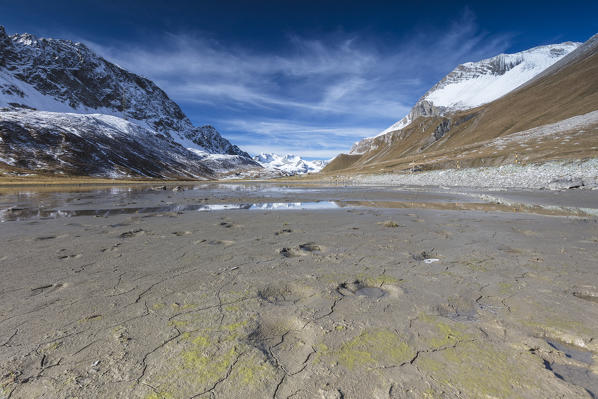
[[287, 291]]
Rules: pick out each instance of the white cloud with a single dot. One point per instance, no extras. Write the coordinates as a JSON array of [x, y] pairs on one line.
[[276, 129]]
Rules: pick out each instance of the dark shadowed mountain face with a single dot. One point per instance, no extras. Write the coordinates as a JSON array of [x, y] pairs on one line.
[[61, 76]]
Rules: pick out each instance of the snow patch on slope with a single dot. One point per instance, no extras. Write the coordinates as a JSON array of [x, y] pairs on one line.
[[475, 83], [93, 145], [109, 125]]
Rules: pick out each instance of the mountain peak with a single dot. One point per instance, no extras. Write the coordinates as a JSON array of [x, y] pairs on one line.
[[26, 39], [472, 84], [65, 76], [4, 39]]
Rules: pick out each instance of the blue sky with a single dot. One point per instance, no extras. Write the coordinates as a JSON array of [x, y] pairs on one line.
[[303, 77]]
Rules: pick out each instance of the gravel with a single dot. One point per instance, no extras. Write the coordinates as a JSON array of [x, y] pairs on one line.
[[554, 175]]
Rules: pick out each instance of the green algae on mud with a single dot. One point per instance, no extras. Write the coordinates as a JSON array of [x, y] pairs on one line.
[[370, 349], [445, 336], [484, 372], [199, 361], [460, 361], [378, 281], [472, 368]]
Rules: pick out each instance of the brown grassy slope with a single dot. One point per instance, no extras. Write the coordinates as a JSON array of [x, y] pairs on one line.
[[569, 90], [342, 161], [562, 145]]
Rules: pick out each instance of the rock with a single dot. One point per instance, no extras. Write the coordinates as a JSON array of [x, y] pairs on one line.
[[309, 247], [423, 256], [565, 184], [287, 253], [329, 393]]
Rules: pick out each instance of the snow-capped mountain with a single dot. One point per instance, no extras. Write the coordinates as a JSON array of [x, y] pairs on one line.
[[289, 164], [92, 145], [476, 83], [63, 76], [548, 117]]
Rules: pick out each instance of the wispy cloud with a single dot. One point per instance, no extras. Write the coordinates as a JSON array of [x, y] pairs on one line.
[[315, 95]]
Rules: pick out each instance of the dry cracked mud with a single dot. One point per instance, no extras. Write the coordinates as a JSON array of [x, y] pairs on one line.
[[300, 304]]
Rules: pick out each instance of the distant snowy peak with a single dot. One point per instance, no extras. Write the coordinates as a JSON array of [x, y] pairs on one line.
[[476, 83], [64, 76], [289, 164]]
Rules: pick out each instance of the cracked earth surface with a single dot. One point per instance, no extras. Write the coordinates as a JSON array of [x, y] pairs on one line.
[[335, 303]]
